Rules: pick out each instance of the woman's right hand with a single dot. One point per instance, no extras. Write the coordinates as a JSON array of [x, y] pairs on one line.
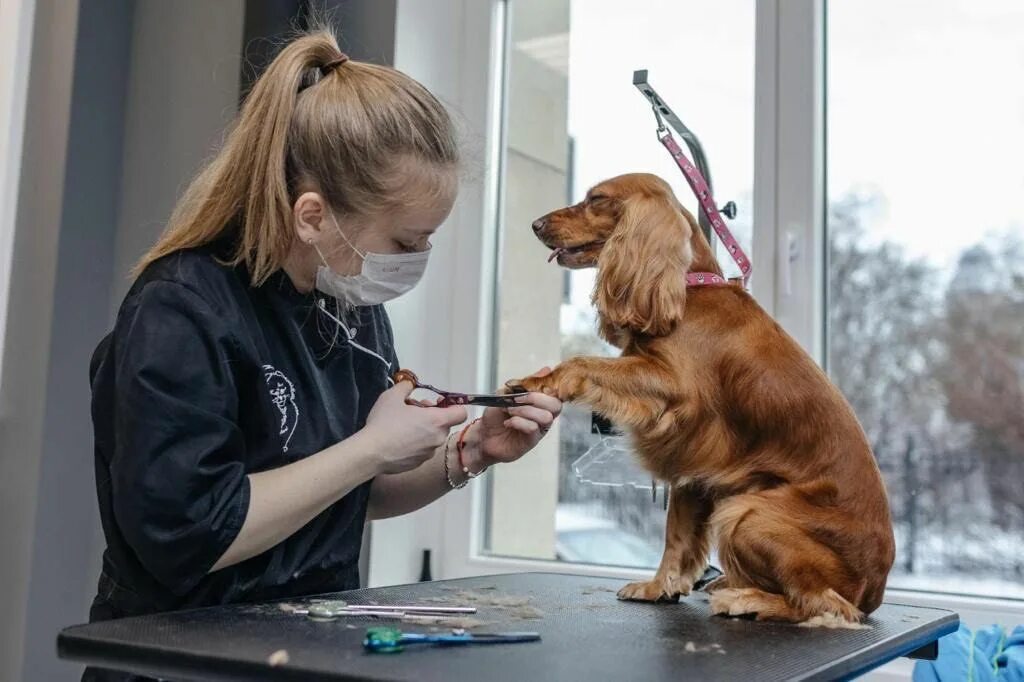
[[405, 436]]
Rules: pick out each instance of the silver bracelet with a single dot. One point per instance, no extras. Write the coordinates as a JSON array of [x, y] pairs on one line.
[[447, 468]]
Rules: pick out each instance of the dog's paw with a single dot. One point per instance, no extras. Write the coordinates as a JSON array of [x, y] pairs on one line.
[[519, 385], [669, 588], [733, 602], [546, 383], [751, 602]]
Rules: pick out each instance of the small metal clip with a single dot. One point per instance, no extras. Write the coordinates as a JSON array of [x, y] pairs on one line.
[[661, 123]]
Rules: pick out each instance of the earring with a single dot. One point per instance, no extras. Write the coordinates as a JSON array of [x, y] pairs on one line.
[[310, 241]]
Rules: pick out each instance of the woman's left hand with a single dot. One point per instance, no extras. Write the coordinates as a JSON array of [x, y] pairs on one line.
[[506, 434]]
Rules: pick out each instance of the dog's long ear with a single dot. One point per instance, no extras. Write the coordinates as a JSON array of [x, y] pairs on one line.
[[641, 272]]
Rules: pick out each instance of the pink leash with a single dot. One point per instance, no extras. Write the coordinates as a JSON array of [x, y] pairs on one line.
[[703, 193]]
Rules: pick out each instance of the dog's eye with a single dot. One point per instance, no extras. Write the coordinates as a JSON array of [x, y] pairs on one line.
[[594, 198]]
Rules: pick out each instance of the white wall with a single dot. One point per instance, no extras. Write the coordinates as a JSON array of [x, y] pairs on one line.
[[423, 320], [444, 328], [438, 327]]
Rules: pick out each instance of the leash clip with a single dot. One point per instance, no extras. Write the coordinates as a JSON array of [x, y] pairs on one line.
[[662, 128]]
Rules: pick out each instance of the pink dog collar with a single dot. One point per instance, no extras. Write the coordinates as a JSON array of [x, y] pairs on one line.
[[703, 193]]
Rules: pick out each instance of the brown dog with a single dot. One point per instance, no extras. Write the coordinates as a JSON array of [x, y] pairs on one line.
[[763, 453]]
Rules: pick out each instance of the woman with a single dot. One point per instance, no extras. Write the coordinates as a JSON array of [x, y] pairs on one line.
[[244, 423]]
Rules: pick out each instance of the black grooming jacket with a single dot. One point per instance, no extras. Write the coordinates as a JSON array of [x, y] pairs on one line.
[[203, 380]]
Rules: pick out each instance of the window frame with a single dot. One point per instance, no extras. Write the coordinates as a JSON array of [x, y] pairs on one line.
[[789, 204]]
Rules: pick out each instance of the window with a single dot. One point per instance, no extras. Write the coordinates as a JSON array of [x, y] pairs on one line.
[[937, 384], [573, 119], [926, 276]]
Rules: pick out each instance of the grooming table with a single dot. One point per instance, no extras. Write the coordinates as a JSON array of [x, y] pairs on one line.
[[586, 635]]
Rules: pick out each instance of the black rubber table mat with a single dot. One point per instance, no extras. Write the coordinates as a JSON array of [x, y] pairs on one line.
[[587, 635]]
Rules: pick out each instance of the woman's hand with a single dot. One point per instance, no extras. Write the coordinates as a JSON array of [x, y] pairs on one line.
[[405, 436], [506, 434]]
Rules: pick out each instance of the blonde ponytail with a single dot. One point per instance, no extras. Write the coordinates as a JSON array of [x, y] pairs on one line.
[[315, 120]]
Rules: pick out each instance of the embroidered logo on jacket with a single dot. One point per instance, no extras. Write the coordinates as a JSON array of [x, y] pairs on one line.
[[282, 394]]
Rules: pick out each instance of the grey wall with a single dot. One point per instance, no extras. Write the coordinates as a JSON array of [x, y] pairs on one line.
[[126, 99], [366, 28], [267, 24], [183, 91], [27, 334], [65, 557]]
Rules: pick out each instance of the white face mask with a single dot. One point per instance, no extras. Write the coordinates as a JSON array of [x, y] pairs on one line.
[[383, 277]]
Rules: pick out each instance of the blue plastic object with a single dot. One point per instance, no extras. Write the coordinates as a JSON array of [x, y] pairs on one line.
[[986, 655], [392, 640]]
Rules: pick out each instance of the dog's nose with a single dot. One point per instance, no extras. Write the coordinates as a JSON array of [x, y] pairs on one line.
[[539, 225]]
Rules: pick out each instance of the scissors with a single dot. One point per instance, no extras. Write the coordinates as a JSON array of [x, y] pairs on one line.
[[335, 608], [449, 398], [392, 640]]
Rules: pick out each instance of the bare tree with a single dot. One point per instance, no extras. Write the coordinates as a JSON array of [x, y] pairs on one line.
[[983, 369]]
